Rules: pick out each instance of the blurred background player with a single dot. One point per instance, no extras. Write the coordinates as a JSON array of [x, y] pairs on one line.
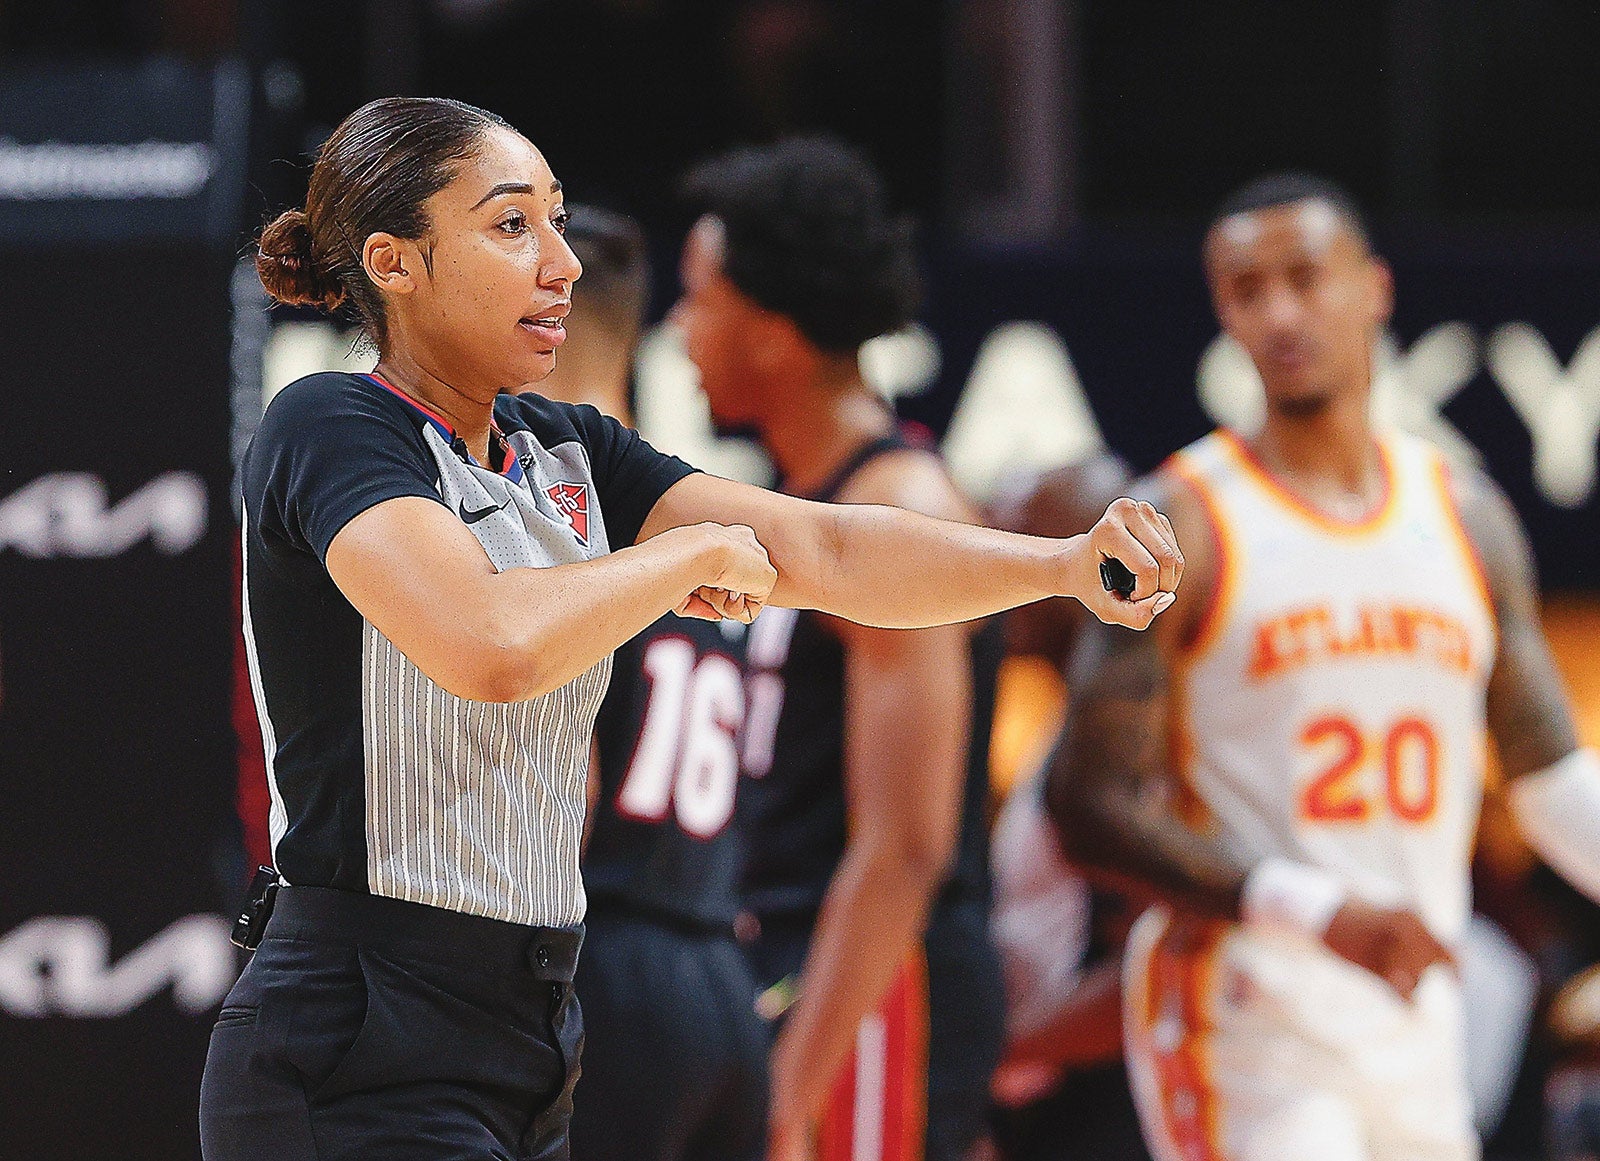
[[1295, 762], [675, 1058], [869, 747], [1061, 1090]]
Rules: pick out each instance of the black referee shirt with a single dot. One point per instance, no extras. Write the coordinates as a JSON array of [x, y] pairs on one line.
[[380, 780]]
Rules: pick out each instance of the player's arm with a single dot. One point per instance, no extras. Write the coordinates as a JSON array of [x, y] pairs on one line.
[[1110, 786], [886, 567], [1085, 1031], [1554, 787], [907, 717], [1111, 789], [908, 706], [418, 574]]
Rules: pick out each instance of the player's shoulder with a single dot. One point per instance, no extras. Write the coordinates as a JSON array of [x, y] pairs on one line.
[[323, 395], [1474, 492], [1182, 487], [1183, 484], [910, 477], [1492, 527]]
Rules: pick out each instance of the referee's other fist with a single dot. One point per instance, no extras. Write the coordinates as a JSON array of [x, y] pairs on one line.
[[735, 575]]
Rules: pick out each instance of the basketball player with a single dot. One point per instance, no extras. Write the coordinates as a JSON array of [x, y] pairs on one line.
[[868, 748], [669, 1002], [1293, 762]]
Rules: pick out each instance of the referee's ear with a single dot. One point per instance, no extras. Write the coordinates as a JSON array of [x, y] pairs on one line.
[[390, 262]]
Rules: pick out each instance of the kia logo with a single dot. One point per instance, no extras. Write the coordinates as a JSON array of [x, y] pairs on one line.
[[68, 514]]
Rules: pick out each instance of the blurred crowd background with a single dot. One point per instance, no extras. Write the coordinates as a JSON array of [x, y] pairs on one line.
[[1060, 156]]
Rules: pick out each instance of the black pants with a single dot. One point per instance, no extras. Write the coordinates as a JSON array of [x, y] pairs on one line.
[[373, 1029], [675, 1064]]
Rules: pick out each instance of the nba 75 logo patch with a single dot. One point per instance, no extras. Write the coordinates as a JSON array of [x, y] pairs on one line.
[[573, 502]]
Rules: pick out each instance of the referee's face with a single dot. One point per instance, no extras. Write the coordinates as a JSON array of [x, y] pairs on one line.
[[488, 305]]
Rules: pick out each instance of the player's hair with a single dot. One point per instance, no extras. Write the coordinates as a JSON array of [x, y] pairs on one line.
[[616, 269], [372, 175], [809, 234], [1284, 189]]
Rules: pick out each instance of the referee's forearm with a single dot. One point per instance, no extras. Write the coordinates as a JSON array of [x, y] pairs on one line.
[[554, 624], [894, 569]]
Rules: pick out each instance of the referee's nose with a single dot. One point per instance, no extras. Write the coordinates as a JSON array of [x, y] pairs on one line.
[[560, 268]]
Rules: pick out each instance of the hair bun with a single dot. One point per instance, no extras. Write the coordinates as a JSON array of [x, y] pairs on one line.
[[288, 269]]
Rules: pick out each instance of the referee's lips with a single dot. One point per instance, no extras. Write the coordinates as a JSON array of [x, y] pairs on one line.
[[548, 325]]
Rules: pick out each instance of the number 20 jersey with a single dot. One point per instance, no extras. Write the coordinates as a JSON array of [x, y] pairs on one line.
[[1331, 709], [664, 841]]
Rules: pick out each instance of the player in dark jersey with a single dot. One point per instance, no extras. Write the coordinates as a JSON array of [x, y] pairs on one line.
[[868, 747], [675, 1057]]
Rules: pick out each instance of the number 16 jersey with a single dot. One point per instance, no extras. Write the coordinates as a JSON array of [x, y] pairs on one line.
[[1331, 707], [663, 842]]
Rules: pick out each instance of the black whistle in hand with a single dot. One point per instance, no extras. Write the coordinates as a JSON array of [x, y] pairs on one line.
[[1117, 577]]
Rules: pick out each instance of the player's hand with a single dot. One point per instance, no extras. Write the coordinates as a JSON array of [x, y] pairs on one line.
[[1393, 945], [738, 575], [1133, 532]]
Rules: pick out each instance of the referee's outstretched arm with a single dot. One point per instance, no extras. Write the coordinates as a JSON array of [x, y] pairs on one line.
[[894, 569], [421, 578]]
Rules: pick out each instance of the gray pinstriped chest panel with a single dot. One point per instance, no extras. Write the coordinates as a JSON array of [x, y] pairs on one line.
[[477, 806]]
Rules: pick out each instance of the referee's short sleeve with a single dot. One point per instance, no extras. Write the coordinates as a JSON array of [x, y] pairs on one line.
[[326, 451], [629, 474]]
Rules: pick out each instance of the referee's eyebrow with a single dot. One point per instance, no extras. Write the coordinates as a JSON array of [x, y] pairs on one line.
[[508, 187]]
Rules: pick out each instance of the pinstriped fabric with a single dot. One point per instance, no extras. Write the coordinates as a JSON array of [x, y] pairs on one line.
[[473, 806], [477, 807]]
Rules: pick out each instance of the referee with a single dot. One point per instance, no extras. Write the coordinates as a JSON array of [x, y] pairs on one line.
[[437, 572]]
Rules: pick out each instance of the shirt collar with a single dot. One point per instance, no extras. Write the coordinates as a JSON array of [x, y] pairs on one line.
[[511, 465]]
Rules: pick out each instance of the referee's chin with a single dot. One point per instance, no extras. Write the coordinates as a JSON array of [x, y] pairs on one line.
[[536, 368]]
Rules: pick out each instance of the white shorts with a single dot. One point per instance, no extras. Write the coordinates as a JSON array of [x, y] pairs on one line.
[[1245, 1048]]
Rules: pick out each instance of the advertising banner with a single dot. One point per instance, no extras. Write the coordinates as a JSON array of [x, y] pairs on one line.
[[119, 846]]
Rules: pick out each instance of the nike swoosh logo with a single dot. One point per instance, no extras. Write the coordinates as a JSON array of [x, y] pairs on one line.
[[473, 515]]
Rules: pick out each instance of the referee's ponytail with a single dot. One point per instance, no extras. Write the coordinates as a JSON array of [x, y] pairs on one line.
[[371, 176]]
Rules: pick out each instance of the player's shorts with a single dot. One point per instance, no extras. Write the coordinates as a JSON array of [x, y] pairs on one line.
[[916, 1087], [675, 1063], [1250, 1048]]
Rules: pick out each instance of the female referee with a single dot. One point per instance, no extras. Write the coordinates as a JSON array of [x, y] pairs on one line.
[[437, 571]]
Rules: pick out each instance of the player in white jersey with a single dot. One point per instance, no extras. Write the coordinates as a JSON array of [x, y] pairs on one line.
[[1292, 764]]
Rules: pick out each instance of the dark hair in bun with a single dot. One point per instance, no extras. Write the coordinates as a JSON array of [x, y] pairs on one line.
[[371, 176], [287, 264]]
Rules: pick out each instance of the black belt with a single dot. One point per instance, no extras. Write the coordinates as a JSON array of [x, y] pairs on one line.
[[327, 915]]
